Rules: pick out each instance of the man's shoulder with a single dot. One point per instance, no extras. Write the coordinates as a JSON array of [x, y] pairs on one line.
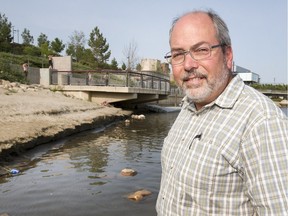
[[259, 102]]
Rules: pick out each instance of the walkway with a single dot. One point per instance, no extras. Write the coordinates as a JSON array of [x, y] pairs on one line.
[[110, 86]]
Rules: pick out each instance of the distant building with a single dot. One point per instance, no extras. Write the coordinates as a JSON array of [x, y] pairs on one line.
[[154, 65], [150, 65], [246, 75]]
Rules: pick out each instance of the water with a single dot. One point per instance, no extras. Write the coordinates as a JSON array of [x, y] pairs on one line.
[[81, 174]]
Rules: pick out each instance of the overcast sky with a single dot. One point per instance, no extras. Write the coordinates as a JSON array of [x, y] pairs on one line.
[[258, 29]]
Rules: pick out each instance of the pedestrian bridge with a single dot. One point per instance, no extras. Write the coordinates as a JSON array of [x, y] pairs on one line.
[[112, 86], [275, 93]]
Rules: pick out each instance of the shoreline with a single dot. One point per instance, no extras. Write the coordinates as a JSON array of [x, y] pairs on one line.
[[33, 115]]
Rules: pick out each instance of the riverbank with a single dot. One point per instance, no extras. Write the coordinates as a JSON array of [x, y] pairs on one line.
[[32, 115]]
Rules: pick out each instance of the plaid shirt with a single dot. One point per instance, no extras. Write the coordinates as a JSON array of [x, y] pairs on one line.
[[229, 158]]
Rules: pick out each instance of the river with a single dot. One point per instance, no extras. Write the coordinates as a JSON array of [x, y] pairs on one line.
[[80, 175]]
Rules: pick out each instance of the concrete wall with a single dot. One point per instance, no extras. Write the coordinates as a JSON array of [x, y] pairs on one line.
[[62, 64], [45, 74], [33, 75], [150, 65]]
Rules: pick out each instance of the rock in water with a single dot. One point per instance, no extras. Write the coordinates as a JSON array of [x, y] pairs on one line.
[[128, 172], [138, 195]]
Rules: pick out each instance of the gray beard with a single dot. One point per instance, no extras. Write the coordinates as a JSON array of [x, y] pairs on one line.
[[199, 97]]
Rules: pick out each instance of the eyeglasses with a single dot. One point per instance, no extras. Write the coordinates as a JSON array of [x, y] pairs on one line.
[[198, 53]]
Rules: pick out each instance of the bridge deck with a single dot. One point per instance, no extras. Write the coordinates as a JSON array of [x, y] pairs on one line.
[[112, 86]]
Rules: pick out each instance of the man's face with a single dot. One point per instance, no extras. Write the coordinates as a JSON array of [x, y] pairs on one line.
[[203, 80]]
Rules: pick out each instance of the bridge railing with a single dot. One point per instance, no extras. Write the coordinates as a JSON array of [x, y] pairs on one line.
[[119, 78]]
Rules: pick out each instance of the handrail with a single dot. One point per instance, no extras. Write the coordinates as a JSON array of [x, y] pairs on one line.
[[106, 77]]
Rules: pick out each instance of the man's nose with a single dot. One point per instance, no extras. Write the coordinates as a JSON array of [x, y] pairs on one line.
[[189, 62]]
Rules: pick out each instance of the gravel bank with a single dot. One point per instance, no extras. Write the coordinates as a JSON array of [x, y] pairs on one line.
[[32, 115]]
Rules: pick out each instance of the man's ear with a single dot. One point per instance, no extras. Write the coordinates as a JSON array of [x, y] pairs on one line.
[[229, 57]]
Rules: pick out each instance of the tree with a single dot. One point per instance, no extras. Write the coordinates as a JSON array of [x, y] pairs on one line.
[[138, 67], [43, 44], [44, 49], [88, 58], [130, 52], [5, 33], [99, 47], [76, 46], [32, 50], [57, 46], [114, 64], [123, 67], [27, 37], [42, 39], [7, 72]]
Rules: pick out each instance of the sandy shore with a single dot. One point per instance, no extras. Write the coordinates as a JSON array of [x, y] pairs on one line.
[[32, 115]]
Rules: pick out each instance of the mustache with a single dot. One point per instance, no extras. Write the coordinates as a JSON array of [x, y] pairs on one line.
[[194, 74]]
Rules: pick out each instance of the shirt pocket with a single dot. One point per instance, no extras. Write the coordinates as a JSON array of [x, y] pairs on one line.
[[225, 174], [208, 162]]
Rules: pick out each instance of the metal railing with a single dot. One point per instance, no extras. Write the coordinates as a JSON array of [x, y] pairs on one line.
[[119, 78]]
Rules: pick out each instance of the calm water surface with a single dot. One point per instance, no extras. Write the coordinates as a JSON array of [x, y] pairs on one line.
[[81, 174]]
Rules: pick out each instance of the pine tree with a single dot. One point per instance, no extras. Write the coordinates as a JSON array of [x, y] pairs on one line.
[[57, 46], [27, 37], [42, 39], [5, 34], [99, 47], [114, 64]]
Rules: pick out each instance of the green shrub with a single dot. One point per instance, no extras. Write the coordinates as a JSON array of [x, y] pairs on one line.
[[8, 72], [281, 87]]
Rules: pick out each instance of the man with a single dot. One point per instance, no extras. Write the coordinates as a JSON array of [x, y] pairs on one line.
[[226, 153], [50, 61], [25, 69]]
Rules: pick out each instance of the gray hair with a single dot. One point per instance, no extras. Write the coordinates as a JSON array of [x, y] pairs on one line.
[[222, 31]]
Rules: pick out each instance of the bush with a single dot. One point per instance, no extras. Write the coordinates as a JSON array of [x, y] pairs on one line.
[[8, 72], [281, 87]]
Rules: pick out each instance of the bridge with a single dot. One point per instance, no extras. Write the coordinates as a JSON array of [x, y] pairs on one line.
[[123, 88], [126, 88], [274, 93]]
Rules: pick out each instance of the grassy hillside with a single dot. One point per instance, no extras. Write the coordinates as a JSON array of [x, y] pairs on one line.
[[10, 65], [10, 70]]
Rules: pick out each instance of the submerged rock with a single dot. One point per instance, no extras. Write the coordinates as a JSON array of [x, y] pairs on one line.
[[140, 117], [138, 195], [128, 172]]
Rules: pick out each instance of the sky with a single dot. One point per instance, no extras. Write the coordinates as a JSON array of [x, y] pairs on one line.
[[258, 29]]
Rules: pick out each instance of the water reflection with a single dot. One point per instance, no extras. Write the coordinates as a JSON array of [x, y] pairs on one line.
[[81, 175]]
